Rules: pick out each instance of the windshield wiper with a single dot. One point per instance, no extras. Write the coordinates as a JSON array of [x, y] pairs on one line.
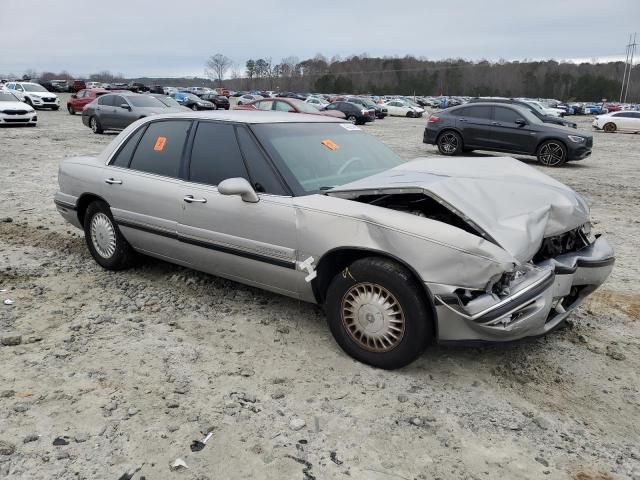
[[326, 188]]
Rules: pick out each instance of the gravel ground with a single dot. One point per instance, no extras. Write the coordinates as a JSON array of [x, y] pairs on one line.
[[105, 373]]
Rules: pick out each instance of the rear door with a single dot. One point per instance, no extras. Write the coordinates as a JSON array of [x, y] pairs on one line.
[[105, 110], [510, 136], [254, 243], [143, 187], [475, 123]]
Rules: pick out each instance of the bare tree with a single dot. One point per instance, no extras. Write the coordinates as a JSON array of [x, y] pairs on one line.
[[217, 65]]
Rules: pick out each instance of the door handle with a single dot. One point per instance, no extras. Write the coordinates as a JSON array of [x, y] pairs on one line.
[[462, 119], [190, 199], [113, 181]]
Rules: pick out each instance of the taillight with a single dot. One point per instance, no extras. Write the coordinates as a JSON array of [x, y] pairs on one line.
[[434, 119]]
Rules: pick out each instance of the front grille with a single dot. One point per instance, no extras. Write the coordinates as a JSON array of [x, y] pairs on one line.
[[14, 112], [16, 120], [567, 242], [50, 100]]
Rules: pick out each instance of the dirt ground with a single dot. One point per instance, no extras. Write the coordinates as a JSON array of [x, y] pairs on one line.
[[126, 369]]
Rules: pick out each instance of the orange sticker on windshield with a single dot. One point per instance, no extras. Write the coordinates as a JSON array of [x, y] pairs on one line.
[[160, 143], [330, 145]]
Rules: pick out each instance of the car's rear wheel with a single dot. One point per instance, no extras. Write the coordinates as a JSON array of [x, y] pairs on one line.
[[377, 314], [105, 242], [352, 119], [71, 110], [410, 114], [552, 153], [610, 127], [95, 126], [449, 143]]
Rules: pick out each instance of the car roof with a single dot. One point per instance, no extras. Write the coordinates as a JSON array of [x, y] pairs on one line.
[[250, 116]]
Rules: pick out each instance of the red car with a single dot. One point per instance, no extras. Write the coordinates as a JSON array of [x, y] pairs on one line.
[[77, 102], [291, 105]]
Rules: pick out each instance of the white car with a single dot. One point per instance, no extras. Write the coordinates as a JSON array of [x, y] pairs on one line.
[[35, 95], [317, 102], [624, 121], [400, 108], [248, 98], [170, 90], [15, 112], [94, 85], [556, 112]]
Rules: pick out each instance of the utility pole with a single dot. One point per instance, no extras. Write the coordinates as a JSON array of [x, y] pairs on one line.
[[633, 51], [628, 67]]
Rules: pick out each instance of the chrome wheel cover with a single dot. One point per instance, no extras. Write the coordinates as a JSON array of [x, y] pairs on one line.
[[103, 235], [551, 154], [94, 124], [448, 143], [373, 317]]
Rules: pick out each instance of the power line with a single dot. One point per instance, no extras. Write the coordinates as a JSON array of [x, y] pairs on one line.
[[628, 67]]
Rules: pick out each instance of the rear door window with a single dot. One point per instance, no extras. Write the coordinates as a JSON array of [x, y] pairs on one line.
[[479, 111], [107, 100], [160, 148], [215, 155]]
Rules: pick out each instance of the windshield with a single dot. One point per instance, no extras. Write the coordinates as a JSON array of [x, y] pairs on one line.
[[192, 97], [33, 87], [168, 101], [537, 106], [8, 97], [144, 102], [315, 157], [528, 115]]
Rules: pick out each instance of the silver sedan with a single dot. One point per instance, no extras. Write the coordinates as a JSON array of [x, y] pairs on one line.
[[399, 254]]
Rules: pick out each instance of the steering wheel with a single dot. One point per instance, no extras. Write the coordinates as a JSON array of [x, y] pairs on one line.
[[348, 163]]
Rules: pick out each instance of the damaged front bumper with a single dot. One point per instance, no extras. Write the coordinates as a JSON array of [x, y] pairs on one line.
[[533, 307]]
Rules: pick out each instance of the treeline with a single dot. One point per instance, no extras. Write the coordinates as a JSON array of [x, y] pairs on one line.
[[409, 75]]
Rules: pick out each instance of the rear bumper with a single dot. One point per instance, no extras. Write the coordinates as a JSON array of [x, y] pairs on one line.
[[429, 136], [556, 288]]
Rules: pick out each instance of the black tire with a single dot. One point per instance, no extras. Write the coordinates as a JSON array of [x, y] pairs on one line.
[[449, 143], [123, 255], [71, 110], [467, 150], [394, 281], [610, 127], [552, 153], [410, 114], [95, 125], [194, 107], [352, 119]]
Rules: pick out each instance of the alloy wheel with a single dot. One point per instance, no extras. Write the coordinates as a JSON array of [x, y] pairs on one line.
[[373, 317], [449, 143], [551, 154]]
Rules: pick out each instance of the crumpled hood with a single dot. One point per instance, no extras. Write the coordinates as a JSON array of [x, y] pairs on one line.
[[515, 204]]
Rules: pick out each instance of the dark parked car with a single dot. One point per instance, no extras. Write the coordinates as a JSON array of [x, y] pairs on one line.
[[137, 87], [528, 106], [77, 85], [116, 111], [353, 112], [157, 89], [220, 101], [380, 110], [192, 101], [504, 127]]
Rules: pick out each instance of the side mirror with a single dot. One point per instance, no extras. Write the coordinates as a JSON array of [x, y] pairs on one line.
[[125, 106], [520, 122], [238, 186]]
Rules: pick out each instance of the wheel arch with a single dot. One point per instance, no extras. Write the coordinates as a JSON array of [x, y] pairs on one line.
[[337, 259], [450, 129], [560, 140], [83, 203]]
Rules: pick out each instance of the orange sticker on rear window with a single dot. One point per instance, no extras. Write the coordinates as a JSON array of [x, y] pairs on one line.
[[330, 145], [160, 143]]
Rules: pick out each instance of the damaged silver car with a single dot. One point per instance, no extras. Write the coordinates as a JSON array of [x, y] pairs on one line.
[[399, 254]]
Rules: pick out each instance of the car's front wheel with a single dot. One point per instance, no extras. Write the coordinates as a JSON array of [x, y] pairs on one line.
[[71, 110], [449, 143], [194, 107], [552, 153], [410, 114], [95, 125], [610, 127], [377, 314], [104, 240]]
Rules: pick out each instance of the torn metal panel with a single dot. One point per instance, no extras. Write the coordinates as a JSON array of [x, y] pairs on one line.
[[513, 203]]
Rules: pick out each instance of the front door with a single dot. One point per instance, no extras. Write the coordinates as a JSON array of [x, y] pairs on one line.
[[253, 243]]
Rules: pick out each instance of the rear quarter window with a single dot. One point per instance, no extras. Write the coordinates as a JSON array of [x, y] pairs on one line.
[[160, 148]]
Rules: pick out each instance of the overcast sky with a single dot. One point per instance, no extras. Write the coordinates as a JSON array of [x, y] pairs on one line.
[[174, 38]]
